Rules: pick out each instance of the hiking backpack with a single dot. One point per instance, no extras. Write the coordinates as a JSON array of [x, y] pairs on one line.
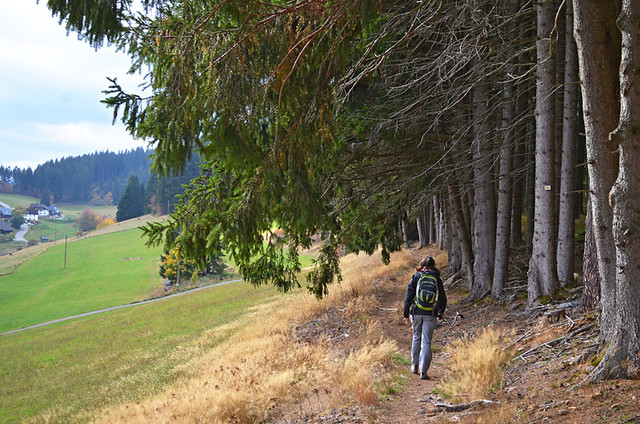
[[427, 292]]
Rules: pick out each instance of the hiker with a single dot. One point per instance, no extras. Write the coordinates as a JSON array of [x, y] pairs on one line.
[[425, 301]]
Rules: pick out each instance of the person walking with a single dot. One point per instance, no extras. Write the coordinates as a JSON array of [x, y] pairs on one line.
[[425, 302]]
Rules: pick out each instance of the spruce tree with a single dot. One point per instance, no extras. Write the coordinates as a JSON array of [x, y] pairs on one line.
[[131, 204]]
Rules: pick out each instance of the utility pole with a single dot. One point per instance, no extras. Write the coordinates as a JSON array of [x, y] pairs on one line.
[[65, 251]]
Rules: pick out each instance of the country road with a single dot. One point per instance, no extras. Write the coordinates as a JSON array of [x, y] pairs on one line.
[[20, 234], [23, 228], [113, 308]]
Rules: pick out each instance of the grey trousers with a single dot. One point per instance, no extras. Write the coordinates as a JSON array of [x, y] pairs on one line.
[[422, 326]]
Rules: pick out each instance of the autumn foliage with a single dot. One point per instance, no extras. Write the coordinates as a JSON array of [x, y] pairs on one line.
[[174, 262], [90, 220]]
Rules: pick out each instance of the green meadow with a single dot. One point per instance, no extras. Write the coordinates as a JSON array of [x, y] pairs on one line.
[[73, 211], [15, 200], [66, 372], [86, 275]]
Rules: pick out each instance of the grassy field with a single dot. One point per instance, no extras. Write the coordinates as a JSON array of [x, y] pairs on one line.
[[73, 211], [80, 366], [55, 229], [15, 200], [100, 272]]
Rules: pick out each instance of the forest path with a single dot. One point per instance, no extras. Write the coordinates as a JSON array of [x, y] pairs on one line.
[[409, 404]]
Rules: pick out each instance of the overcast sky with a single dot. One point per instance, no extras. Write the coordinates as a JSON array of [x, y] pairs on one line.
[[50, 90]]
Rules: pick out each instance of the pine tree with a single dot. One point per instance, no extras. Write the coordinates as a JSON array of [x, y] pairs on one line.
[[131, 204]]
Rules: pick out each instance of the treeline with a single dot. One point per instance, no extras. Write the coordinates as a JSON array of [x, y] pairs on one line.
[[99, 178]]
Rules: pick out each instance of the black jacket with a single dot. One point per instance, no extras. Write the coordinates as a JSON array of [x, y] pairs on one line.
[[409, 302]]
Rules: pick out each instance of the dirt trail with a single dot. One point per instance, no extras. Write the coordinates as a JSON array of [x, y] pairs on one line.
[[553, 354], [404, 408]]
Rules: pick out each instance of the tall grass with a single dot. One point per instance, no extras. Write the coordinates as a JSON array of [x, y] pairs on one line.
[[476, 365], [265, 371]]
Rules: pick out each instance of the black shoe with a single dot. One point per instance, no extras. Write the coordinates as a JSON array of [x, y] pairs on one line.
[[424, 376], [414, 369]]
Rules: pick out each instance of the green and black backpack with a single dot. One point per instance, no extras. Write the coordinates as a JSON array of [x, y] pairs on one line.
[[427, 292]]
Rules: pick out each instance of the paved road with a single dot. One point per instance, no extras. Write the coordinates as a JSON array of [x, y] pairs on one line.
[[119, 307], [20, 234], [23, 229]]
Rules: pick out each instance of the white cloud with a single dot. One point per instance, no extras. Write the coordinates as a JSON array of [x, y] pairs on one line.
[[50, 89]]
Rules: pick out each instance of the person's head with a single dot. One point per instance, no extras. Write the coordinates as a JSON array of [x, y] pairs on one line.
[[427, 262]]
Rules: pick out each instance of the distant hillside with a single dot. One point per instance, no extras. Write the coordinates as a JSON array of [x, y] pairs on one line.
[[97, 179]]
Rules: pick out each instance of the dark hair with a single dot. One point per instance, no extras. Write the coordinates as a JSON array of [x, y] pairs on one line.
[[427, 262]]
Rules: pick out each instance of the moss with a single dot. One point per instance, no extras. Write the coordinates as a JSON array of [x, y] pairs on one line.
[[544, 300], [597, 358]]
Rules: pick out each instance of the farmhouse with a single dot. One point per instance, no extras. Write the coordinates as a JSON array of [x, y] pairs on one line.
[[5, 213], [35, 208], [31, 217], [5, 228], [53, 211]]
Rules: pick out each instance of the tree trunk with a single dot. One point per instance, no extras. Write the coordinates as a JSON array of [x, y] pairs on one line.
[[463, 235], [518, 166], [437, 220], [559, 41], [580, 197], [420, 230], [505, 192], [429, 225], [542, 266], [566, 223], [484, 210], [403, 226], [531, 192], [598, 43], [622, 357], [590, 274], [453, 245]]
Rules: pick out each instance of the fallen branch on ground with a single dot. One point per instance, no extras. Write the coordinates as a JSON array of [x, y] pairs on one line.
[[464, 406]]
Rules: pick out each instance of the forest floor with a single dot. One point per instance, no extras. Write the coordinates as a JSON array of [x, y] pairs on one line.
[[553, 350]]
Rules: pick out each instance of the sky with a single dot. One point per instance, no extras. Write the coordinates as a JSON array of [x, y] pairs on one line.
[[50, 90]]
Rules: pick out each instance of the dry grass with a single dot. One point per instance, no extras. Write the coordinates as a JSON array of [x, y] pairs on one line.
[[266, 372], [476, 365], [506, 414]]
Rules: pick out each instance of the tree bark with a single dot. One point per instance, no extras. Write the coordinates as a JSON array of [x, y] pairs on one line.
[[542, 266], [622, 357], [590, 274], [505, 192], [566, 222], [437, 220], [598, 44], [464, 239], [484, 209], [453, 245], [419, 224]]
